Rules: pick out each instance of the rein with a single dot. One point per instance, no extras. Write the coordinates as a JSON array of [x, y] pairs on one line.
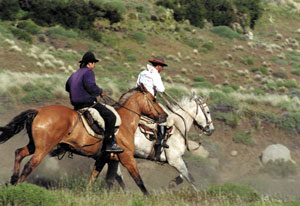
[[198, 103], [140, 115]]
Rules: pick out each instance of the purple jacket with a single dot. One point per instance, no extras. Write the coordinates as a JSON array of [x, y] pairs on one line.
[[82, 87]]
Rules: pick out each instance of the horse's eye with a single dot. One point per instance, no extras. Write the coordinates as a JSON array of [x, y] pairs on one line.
[[207, 112], [154, 100]]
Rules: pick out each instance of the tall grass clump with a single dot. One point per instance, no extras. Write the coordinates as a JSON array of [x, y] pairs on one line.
[[226, 32], [139, 37], [234, 192], [243, 138], [280, 168], [27, 194], [290, 123]]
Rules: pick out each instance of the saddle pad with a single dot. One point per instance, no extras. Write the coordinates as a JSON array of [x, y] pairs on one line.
[[100, 121], [89, 130]]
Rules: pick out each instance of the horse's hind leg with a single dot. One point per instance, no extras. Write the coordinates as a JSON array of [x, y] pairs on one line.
[[20, 154], [35, 160], [181, 167]]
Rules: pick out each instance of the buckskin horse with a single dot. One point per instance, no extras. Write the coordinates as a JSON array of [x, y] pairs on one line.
[[54, 125]]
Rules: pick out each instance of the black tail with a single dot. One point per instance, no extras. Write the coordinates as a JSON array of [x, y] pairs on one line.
[[17, 124]]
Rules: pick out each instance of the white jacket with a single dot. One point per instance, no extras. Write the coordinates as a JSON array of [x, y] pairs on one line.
[[151, 79]]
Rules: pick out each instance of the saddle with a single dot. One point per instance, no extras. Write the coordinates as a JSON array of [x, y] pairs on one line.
[[149, 129], [94, 123]]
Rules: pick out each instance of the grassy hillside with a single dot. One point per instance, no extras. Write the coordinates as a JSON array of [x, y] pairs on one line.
[[251, 83]]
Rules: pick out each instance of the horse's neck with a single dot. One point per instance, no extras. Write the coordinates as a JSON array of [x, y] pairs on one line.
[[191, 109], [129, 116]]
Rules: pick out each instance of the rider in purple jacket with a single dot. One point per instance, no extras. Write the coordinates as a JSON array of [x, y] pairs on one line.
[[83, 91]]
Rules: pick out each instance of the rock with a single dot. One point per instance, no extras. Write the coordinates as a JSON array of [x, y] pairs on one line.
[[276, 152], [233, 153]]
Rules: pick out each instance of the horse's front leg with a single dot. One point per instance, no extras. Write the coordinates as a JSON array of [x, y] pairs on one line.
[[127, 159], [99, 164], [178, 163], [114, 172]]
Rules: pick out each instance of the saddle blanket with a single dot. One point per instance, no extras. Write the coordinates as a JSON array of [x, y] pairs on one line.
[[99, 120]]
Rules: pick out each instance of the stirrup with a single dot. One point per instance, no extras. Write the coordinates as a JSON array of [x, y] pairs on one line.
[[114, 148]]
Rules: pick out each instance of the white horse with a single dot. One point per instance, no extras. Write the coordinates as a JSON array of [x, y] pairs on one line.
[[195, 112]]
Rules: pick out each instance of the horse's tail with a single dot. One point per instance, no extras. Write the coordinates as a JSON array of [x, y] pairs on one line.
[[17, 124]]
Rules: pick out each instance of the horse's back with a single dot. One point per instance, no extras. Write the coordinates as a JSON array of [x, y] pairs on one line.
[[55, 116]]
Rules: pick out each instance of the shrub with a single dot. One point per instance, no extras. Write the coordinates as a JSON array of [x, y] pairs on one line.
[[243, 138], [296, 72], [9, 9], [291, 83], [29, 26], [95, 35], [229, 118], [21, 34], [114, 10], [176, 93], [280, 74], [222, 102], [204, 84], [37, 96], [27, 194], [227, 89], [131, 58], [208, 45], [226, 32], [290, 123], [234, 191], [247, 60], [54, 32], [280, 168], [261, 69], [139, 37], [199, 78]]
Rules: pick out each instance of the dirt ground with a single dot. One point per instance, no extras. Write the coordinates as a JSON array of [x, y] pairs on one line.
[[218, 169]]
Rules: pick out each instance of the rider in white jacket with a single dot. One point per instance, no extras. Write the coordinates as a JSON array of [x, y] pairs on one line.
[[151, 79]]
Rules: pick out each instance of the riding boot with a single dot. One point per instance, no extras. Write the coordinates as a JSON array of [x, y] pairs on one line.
[[111, 145], [161, 136]]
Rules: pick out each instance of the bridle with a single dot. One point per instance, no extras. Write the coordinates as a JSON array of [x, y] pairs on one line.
[[202, 105]]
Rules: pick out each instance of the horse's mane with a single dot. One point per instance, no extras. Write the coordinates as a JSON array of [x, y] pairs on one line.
[[124, 97]]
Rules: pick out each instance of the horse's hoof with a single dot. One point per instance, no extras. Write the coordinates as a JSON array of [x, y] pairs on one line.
[[14, 179], [172, 184]]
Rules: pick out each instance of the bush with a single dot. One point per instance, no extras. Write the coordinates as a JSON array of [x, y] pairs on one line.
[[114, 10], [247, 61], [280, 168], [296, 72], [208, 45], [226, 32], [9, 9], [261, 69], [204, 84], [139, 37], [222, 102], [29, 26], [243, 138], [199, 78], [21, 34], [131, 58], [291, 83], [37, 96], [27, 194], [229, 118], [280, 74], [234, 191], [290, 123]]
